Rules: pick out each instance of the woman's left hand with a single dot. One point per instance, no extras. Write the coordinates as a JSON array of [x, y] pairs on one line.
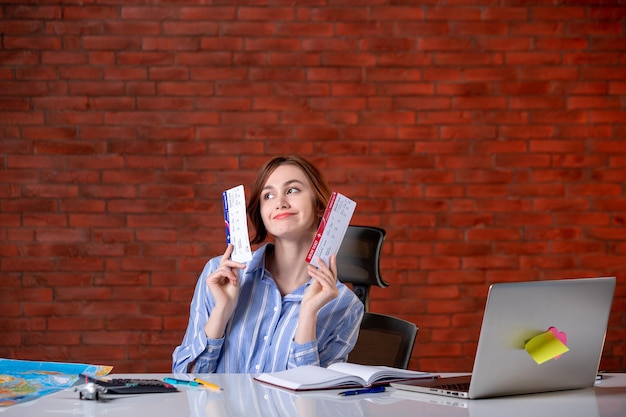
[[323, 288]]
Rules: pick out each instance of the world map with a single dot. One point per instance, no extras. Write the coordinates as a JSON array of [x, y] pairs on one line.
[[22, 381]]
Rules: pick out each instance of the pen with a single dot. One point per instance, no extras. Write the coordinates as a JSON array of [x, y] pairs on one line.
[[371, 390], [175, 381], [207, 384]]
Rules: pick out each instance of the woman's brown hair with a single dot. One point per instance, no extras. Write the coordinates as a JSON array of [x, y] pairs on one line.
[[318, 183]]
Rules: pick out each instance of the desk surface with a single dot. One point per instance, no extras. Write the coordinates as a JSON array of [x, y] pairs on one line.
[[242, 396]]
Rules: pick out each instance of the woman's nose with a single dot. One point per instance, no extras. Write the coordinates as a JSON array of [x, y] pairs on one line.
[[281, 202]]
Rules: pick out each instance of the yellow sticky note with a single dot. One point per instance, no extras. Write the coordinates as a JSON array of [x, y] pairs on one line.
[[544, 347]]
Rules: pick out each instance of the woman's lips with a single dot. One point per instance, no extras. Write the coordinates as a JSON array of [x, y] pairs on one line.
[[283, 216]]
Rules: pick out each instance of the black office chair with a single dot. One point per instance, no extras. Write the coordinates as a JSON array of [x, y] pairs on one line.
[[384, 340], [358, 260]]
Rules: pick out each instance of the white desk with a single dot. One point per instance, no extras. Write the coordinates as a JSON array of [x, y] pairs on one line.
[[244, 397]]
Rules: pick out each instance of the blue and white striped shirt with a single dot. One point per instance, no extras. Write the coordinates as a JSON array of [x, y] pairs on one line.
[[259, 336]]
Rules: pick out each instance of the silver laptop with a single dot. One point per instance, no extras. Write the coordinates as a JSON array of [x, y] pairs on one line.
[[517, 312]]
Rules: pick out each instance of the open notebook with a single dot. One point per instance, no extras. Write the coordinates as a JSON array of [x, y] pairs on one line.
[[337, 375], [517, 316]]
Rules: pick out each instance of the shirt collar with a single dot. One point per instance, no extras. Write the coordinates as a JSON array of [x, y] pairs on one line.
[[258, 263], [258, 258]]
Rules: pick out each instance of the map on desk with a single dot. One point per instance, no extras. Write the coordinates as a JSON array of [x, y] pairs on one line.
[[22, 381]]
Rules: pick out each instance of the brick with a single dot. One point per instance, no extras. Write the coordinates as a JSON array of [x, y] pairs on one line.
[[251, 58], [44, 219], [465, 162], [413, 249], [88, 12], [133, 322], [22, 26], [364, 29], [389, 44], [388, 118], [141, 294], [398, 13], [462, 249], [99, 353], [9, 339], [524, 248], [517, 43], [617, 161], [75, 118], [29, 13], [67, 338], [68, 149], [441, 42], [393, 74], [26, 294], [333, 74], [469, 58], [614, 175], [582, 58], [304, 117], [115, 338], [306, 29], [33, 73], [443, 117], [138, 264], [411, 89], [32, 324], [494, 234], [605, 233], [328, 44], [506, 13], [607, 116], [446, 191], [596, 190], [440, 335], [150, 353], [218, 13], [573, 161], [13, 104], [178, 311], [179, 28], [339, 14], [617, 87], [547, 263], [584, 219], [9, 250]]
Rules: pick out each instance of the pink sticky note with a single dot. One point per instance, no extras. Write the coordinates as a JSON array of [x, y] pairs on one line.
[[559, 335]]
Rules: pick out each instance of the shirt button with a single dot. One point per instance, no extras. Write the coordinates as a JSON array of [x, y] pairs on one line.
[[257, 367], [266, 338], [275, 308]]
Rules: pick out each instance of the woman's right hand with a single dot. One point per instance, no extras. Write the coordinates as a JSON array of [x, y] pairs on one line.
[[223, 284]]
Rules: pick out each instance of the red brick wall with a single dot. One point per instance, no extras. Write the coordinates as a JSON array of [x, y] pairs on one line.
[[488, 138]]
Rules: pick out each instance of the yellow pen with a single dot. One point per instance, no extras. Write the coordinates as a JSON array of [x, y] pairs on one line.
[[208, 384]]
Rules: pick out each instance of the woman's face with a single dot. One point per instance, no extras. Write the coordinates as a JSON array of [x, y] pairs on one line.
[[287, 204]]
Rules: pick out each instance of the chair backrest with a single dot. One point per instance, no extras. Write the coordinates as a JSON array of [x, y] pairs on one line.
[[358, 260], [384, 340]]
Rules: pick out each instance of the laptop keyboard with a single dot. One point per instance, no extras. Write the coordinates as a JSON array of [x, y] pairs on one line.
[[132, 385]]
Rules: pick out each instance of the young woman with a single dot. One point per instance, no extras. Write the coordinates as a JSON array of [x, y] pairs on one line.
[[276, 311]]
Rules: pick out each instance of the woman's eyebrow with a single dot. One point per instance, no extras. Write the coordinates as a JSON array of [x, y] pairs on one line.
[[285, 184]]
